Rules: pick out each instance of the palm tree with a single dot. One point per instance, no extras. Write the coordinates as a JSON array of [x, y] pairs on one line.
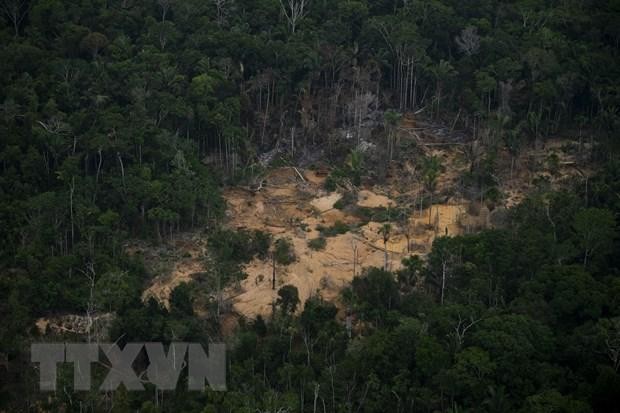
[[385, 233], [391, 119], [512, 139], [499, 122], [431, 168], [533, 123], [442, 72], [356, 161], [497, 401]]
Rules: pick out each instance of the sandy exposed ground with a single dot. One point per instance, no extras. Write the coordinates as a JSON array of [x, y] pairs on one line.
[[163, 285], [370, 199], [291, 207], [326, 202], [98, 325], [293, 210], [288, 207], [173, 263], [324, 271]]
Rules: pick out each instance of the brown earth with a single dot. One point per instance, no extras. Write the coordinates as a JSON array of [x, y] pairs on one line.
[[293, 209], [288, 206]]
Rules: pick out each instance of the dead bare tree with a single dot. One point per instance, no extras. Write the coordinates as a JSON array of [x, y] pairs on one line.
[[91, 276], [461, 328], [15, 11], [469, 41], [404, 77], [444, 276], [443, 271], [165, 7], [385, 232], [355, 256], [294, 10], [222, 10], [120, 161], [359, 108], [316, 396], [71, 192]]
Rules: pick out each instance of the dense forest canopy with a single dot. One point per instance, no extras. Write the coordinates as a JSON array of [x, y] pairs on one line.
[[124, 119]]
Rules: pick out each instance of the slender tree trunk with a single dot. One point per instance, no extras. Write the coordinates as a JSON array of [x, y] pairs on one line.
[[120, 161], [385, 254], [316, 395], [443, 279], [71, 191], [430, 208], [354, 260], [292, 141], [266, 116], [273, 273], [415, 87]]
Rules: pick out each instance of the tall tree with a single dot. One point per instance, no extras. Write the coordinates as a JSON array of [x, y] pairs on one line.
[[431, 168], [294, 11], [595, 229]]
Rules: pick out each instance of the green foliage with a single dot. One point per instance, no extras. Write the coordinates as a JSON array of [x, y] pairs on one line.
[[317, 244], [431, 167], [391, 119], [288, 299], [239, 246], [123, 119], [552, 400], [375, 293], [381, 214], [338, 228], [411, 271], [181, 300], [330, 183], [284, 252], [116, 290], [343, 175], [260, 243], [595, 230], [347, 199], [317, 314], [231, 249]]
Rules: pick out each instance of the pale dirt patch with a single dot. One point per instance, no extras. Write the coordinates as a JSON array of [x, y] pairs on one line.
[[316, 177], [163, 285], [171, 264], [229, 323], [42, 324], [325, 272], [369, 199], [332, 216], [447, 218], [98, 325], [294, 210], [289, 207], [327, 202]]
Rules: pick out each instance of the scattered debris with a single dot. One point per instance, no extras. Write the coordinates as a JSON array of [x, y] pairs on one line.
[[98, 325]]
